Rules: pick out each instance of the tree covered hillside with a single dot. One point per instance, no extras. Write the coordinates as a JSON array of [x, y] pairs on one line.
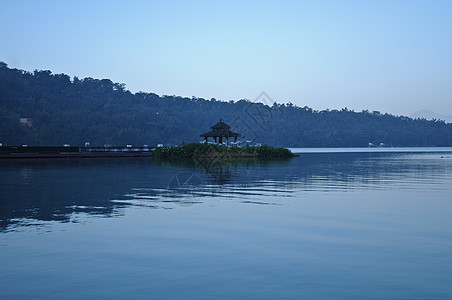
[[41, 108]]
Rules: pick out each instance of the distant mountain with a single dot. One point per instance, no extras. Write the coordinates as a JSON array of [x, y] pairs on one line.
[[41, 108], [430, 115]]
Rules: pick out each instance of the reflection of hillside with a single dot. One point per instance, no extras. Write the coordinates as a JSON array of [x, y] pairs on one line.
[[371, 170], [58, 190], [54, 190]]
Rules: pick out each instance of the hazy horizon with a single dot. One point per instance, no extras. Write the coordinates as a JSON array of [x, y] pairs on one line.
[[393, 57]]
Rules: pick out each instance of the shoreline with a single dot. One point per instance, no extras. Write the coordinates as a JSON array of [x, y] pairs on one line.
[[18, 156], [45, 152]]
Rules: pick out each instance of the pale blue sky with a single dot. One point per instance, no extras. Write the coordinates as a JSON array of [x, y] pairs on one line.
[[391, 56]]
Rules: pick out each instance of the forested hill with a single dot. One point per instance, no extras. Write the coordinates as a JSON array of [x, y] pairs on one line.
[[42, 108]]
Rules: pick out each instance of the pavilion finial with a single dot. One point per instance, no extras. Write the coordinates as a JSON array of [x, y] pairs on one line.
[[221, 120]]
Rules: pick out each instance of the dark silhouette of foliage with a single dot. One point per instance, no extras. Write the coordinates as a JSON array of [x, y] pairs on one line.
[[212, 151], [74, 111]]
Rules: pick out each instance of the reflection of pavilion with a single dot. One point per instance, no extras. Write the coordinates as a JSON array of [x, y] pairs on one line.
[[220, 130], [222, 174]]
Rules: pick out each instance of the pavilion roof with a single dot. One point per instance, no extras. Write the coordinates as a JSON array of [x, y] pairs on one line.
[[220, 133], [220, 129]]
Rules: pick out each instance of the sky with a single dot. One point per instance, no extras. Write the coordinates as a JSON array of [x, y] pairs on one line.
[[391, 56]]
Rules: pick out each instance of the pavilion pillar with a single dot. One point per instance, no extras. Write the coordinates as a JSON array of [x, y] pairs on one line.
[[215, 139], [221, 140]]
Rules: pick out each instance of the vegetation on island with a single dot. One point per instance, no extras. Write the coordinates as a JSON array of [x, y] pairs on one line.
[[214, 151], [41, 108]]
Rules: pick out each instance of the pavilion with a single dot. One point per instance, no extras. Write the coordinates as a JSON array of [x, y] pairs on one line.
[[220, 130]]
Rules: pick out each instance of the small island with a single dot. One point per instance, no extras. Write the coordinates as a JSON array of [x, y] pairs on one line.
[[220, 147], [214, 151]]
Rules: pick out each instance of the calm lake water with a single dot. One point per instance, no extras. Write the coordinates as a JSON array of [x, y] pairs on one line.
[[330, 224]]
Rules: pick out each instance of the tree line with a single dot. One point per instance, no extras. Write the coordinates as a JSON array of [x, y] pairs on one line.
[[42, 108]]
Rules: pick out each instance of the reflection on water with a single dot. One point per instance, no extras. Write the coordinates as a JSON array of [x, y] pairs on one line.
[[320, 226], [59, 190]]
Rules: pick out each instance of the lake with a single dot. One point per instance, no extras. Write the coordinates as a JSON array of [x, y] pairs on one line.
[[367, 223]]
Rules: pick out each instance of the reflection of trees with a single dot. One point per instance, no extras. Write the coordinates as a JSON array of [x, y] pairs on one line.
[[333, 171], [56, 190]]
